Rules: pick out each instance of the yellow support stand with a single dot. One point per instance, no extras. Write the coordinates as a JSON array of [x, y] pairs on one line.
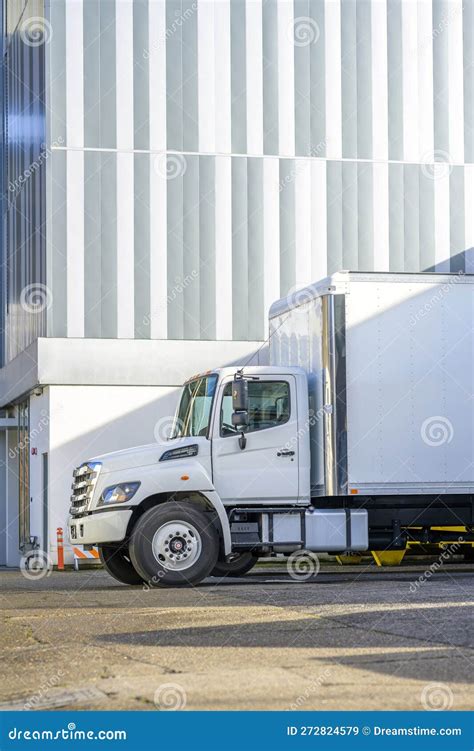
[[388, 557], [347, 560]]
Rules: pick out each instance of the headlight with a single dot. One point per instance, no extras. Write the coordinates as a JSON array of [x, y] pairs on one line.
[[181, 453], [119, 493]]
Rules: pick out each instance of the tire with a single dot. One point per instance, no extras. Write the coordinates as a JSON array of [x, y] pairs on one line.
[[174, 545], [116, 560], [238, 567]]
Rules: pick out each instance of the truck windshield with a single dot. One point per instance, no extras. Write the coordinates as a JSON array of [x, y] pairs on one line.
[[194, 411]]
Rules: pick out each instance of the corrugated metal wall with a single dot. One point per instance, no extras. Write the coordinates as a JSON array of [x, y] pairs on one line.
[[208, 156], [25, 297]]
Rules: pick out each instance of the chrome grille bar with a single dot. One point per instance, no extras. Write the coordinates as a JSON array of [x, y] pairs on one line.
[[84, 480]]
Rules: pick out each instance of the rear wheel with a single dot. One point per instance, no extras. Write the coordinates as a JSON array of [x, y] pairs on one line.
[[239, 566], [116, 560], [174, 545]]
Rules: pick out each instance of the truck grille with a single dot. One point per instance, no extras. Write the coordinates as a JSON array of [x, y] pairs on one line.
[[84, 480]]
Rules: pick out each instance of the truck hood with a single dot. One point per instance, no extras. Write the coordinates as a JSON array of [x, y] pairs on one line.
[[140, 456]]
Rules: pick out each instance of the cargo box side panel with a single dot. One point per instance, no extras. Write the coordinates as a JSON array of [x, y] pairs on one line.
[[410, 376], [295, 340]]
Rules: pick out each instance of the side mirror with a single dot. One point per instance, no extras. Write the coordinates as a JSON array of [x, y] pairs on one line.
[[240, 419], [240, 408], [240, 395]]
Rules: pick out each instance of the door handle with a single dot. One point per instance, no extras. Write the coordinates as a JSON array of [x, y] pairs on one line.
[[285, 452]]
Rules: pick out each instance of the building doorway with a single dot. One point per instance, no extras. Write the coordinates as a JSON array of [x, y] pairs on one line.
[[23, 477]]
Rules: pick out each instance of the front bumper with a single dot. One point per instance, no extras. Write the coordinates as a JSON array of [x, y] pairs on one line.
[[108, 526]]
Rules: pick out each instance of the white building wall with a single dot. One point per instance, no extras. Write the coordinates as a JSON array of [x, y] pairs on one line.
[[231, 150], [82, 422]]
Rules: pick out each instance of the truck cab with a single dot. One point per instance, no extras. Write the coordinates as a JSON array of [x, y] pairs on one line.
[[217, 460]]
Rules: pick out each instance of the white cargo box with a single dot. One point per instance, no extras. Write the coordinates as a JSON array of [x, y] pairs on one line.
[[390, 364]]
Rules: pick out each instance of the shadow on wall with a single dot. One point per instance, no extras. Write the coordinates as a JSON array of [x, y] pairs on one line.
[[460, 262]]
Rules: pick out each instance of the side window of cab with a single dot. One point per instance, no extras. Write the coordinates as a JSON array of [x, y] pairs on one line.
[[269, 406]]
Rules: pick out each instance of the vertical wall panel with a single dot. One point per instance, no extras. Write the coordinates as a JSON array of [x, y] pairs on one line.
[[425, 81], [454, 32], [380, 216], [302, 84], [58, 245], [318, 79], [395, 79], [206, 77], [396, 218], [189, 52], [441, 77], [125, 74], [254, 76], [364, 80], [186, 293], [456, 220], [240, 274], [156, 54], [256, 267], [175, 244], [107, 76], [238, 77], [333, 79], [287, 226], [75, 242], [427, 221], [57, 78], [270, 77], [223, 76], [141, 207], [141, 88], [302, 180], [74, 75], [365, 225], [349, 78], [286, 80], [410, 52], [469, 218], [108, 241], [92, 43], [334, 216], [174, 75], [206, 281], [223, 240], [350, 216], [442, 220], [125, 246], [468, 52], [319, 239], [158, 282], [411, 214], [379, 80], [92, 244], [271, 231]]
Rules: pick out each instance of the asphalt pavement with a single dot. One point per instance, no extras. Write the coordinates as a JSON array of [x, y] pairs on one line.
[[354, 637]]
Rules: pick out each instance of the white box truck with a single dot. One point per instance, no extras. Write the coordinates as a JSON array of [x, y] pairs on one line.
[[359, 435]]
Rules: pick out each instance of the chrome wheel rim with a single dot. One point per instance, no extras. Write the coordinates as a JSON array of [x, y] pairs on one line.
[[176, 545]]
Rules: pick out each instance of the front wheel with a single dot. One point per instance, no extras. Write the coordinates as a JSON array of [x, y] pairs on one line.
[[116, 561], [239, 566], [174, 545]]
